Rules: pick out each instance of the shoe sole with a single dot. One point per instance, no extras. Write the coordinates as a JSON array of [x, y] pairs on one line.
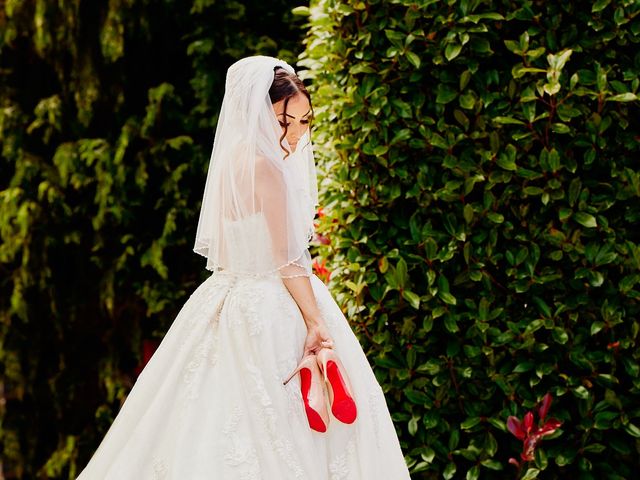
[[315, 420], [343, 406]]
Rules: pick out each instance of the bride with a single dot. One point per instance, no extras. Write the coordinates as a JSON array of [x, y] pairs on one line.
[[260, 375]]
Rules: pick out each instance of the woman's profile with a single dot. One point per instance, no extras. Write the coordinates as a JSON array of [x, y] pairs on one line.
[[260, 375]]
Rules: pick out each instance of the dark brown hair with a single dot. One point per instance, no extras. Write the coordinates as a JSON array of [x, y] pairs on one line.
[[285, 86]]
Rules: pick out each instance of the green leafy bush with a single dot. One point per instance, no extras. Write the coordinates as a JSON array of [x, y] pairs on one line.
[[481, 198]]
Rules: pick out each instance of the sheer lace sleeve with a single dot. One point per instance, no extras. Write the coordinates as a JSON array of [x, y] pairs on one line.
[[288, 248]]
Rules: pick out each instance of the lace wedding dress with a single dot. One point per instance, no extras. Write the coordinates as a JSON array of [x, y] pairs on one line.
[[211, 404]]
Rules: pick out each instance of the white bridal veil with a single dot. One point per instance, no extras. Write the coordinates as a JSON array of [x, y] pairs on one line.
[[258, 208]]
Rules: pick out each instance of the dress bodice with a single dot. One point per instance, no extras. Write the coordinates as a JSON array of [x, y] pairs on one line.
[[248, 244]]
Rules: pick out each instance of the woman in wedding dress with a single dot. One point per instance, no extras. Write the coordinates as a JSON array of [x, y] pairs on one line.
[[260, 375]]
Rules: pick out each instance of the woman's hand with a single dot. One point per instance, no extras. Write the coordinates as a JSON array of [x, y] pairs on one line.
[[317, 337]]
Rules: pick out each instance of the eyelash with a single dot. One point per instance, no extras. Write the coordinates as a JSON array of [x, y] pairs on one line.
[[301, 121]]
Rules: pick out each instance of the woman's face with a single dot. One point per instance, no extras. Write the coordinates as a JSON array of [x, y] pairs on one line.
[[296, 119]]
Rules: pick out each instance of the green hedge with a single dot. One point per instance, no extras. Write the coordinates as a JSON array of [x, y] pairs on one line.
[[107, 114], [481, 189]]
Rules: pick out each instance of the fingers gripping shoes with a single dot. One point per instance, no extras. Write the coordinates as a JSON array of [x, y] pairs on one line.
[[312, 393], [343, 405]]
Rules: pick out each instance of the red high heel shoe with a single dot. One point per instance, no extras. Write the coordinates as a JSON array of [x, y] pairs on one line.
[[313, 396], [343, 406]]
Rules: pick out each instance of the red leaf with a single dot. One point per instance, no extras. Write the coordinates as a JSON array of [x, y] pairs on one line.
[[529, 448], [323, 239], [544, 406], [549, 427], [515, 427], [528, 422]]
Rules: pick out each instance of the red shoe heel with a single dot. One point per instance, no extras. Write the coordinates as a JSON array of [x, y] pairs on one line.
[[312, 393], [343, 405]]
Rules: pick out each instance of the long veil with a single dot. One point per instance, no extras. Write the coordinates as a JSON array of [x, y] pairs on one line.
[[258, 208]]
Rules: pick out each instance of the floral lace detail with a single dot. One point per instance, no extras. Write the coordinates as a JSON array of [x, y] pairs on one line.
[[203, 295], [374, 404], [292, 389], [249, 299], [200, 355], [239, 451], [339, 466], [266, 412], [159, 469], [206, 349]]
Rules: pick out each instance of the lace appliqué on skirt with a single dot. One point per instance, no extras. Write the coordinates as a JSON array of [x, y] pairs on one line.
[[240, 453], [205, 351], [159, 469], [339, 466], [264, 409], [248, 299]]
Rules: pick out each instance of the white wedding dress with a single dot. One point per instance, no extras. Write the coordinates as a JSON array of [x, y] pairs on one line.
[[210, 403]]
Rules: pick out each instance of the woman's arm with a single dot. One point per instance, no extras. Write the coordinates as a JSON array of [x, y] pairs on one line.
[[302, 292], [318, 335], [272, 195]]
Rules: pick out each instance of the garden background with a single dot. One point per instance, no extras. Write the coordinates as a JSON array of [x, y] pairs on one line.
[[479, 218]]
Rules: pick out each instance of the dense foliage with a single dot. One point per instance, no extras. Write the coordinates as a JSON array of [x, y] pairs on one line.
[[482, 209], [107, 111]]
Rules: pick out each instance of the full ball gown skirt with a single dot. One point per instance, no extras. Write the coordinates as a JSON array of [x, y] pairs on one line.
[[210, 403]]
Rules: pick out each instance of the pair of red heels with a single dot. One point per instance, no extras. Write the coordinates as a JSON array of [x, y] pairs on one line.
[[343, 405]]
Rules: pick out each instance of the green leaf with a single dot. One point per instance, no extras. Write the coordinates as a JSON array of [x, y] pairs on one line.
[[413, 426], [585, 219], [631, 429], [419, 398], [560, 128], [492, 464], [623, 97], [508, 121], [531, 474], [412, 298], [454, 439], [473, 473], [581, 392], [301, 11], [507, 161], [599, 5], [596, 327], [445, 94], [452, 51], [495, 217], [402, 276], [470, 423], [428, 454], [447, 298], [467, 101], [513, 46], [449, 471], [414, 59], [594, 448], [524, 367], [467, 213]]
